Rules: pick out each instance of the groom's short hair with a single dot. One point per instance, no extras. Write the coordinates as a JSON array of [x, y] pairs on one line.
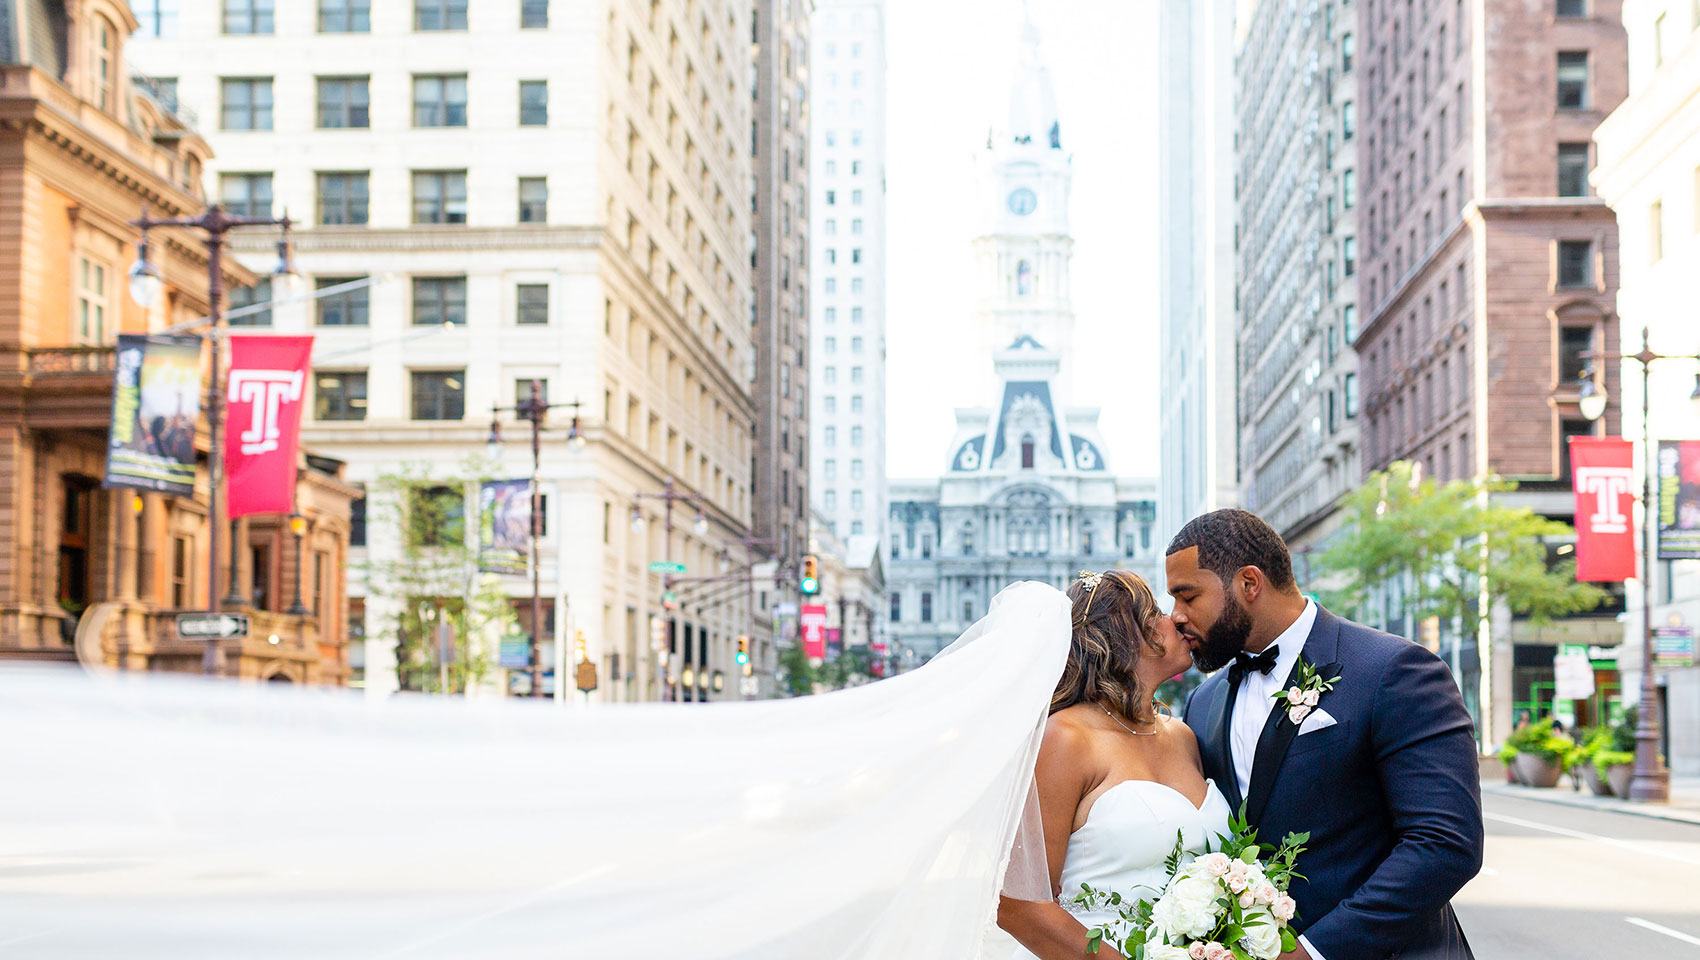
[[1228, 540]]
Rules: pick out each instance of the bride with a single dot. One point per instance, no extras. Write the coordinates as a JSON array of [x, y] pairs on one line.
[[1115, 779]]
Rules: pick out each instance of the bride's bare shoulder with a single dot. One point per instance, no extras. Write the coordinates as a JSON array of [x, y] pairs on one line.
[[1069, 728]]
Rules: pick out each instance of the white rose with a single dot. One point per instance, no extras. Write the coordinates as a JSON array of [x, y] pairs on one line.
[[1189, 908], [1311, 697], [1262, 940], [1295, 696], [1246, 899], [1284, 907], [1162, 951], [1297, 714]]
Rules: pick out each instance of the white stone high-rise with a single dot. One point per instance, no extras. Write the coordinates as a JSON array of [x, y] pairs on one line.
[[1196, 288], [537, 190], [847, 269]]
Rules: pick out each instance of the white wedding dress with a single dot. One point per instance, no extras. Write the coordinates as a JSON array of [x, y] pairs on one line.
[[1126, 839]]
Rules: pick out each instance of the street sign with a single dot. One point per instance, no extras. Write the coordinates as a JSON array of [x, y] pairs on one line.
[[1673, 645], [784, 609], [212, 626], [670, 600], [586, 676], [666, 566], [514, 653]]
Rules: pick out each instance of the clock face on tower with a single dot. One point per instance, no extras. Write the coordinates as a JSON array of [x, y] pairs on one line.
[[1022, 201]]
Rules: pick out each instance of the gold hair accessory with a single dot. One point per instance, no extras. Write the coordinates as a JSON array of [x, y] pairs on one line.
[[1091, 581]]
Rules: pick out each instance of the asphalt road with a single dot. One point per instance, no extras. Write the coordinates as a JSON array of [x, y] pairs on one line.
[[1560, 882]]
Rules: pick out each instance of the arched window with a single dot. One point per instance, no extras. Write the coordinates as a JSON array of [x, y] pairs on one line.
[[1027, 452], [105, 40]]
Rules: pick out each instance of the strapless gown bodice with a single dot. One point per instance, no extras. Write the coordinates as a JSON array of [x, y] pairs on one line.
[[1128, 835]]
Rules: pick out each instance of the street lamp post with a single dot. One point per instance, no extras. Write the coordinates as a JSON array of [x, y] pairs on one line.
[[535, 408], [145, 288], [298, 529], [670, 494], [1650, 780]]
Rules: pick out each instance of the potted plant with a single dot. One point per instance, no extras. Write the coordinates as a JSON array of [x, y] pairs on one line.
[[1615, 760], [1508, 757], [1581, 760], [1541, 754]]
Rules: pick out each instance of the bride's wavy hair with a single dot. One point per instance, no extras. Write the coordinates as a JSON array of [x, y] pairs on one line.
[[1115, 624]]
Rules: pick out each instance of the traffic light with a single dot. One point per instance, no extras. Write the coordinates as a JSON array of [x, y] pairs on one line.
[[810, 582], [744, 654]]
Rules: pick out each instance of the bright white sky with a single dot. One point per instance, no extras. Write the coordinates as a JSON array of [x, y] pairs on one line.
[[949, 67]]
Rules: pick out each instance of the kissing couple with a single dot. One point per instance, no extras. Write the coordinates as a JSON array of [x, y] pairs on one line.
[[1317, 725]]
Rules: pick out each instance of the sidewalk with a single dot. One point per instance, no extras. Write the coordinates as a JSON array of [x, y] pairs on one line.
[[1684, 805]]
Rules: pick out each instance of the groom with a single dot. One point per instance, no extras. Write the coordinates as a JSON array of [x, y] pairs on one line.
[[1381, 769]]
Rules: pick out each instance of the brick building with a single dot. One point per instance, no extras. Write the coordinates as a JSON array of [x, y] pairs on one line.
[[1488, 265]]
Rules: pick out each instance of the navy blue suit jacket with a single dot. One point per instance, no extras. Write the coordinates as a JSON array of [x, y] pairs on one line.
[[1390, 794]]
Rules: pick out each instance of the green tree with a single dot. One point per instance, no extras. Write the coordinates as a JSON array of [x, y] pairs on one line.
[[429, 579], [1439, 540]]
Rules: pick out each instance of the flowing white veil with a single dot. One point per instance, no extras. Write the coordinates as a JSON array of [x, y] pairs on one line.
[[153, 816]]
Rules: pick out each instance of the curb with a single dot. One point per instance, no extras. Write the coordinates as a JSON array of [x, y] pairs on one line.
[[1566, 798]]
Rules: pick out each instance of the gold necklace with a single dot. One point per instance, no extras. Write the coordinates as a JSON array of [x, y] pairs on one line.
[[1124, 726]]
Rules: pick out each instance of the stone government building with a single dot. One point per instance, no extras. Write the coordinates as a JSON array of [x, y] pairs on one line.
[[1027, 493]]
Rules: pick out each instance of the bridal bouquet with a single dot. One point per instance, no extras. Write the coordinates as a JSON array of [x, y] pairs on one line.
[[1222, 905]]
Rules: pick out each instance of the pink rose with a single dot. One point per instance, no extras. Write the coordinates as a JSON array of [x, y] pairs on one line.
[[1246, 899], [1215, 951], [1215, 864], [1311, 697], [1238, 866], [1283, 907], [1295, 696], [1237, 882], [1297, 714], [1196, 951], [1265, 893]]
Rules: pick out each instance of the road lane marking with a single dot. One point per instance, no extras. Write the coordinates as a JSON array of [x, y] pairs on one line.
[[1579, 835], [1667, 931]]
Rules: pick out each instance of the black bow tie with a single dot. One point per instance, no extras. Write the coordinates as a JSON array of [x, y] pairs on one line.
[[1245, 663]]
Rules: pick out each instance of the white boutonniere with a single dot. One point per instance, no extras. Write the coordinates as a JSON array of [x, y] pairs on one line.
[[1302, 697]]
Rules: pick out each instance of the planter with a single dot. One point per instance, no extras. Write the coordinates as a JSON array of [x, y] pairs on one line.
[[1619, 775], [1537, 771], [1597, 785]]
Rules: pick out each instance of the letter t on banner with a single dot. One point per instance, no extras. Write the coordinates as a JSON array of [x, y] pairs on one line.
[[1603, 475], [262, 431]]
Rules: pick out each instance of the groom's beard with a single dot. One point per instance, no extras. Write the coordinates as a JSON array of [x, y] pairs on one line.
[[1225, 639]]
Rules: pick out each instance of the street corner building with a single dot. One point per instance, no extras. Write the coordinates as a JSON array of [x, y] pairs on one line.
[[99, 573]]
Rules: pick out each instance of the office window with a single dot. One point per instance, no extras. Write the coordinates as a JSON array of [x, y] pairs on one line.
[[1575, 263], [246, 103], [246, 194], [926, 607], [830, 501], [831, 227], [831, 404], [832, 282], [533, 103], [439, 300], [439, 100], [856, 198], [247, 16], [1348, 189], [855, 436], [830, 376], [345, 16], [91, 303], [1572, 343], [345, 102], [242, 298], [533, 14], [855, 500], [1573, 80], [1348, 120], [532, 301], [439, 14], [343, 198], [856, 255], [1349, 255], [896, 598], [439, 394], [1351, 391], [439, 196], [855, 285], [831, 469], [855, 314], [345, 308], [1572, 8], [158, 17], [1348, 49], [339, 395], [831, 314], [533, 200], [523, 394], [855, 344], [856, 226], [856, 403], [830, 345], [1573, 169]]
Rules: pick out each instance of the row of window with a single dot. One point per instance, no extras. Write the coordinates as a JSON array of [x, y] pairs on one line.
[[345, 103], [435, 394], [830, 470], [829, 436], [344, 197], [159, 18], [830, 500], [831, 403], [829, 375], [435, 301]]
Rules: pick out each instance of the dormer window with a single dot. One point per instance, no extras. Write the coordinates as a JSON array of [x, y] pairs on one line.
[[105, 46], [1027, 452]]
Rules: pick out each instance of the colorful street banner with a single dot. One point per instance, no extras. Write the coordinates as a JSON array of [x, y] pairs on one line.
[[813, 622], [504, 511], [1679, 500], [263, 421], [1603, 477], [156, 398]]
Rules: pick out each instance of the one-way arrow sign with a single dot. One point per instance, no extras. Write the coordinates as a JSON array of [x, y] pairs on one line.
[[211, 626]]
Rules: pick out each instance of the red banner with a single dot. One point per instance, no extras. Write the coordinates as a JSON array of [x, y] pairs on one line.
[[1603, 475], [262, 423], [813, 623]]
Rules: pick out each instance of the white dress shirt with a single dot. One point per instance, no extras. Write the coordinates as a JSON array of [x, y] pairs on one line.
[[1257, 697]]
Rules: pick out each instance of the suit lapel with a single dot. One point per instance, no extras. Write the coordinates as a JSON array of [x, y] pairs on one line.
[[1222, 714], [1322, 646]]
